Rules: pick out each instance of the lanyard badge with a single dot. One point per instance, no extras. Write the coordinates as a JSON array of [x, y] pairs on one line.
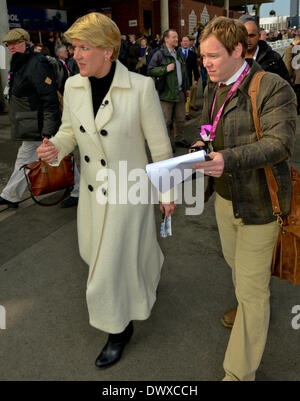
[[206, 137], [208, 132]]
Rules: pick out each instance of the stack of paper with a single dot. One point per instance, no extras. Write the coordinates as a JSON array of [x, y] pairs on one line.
[[166, 174]]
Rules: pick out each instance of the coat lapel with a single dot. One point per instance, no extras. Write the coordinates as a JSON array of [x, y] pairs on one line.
[[82, 107], [121, 80], [105, 111], [82, 104]]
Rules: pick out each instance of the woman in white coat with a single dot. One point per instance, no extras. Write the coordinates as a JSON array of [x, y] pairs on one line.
[[109, 112]]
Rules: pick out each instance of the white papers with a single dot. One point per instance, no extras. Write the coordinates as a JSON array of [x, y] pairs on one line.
[[166, 174]]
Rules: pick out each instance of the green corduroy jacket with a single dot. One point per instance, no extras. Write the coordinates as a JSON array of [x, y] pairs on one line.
[[245, 157]]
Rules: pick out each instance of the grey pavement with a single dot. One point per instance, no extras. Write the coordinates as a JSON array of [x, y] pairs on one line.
[[42, 287]]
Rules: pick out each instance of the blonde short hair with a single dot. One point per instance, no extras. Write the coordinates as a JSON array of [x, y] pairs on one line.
[[229, 32], [98, 30]]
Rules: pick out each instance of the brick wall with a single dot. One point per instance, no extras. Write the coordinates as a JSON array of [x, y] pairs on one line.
[[201, 10], [123, 12], [148, 6]]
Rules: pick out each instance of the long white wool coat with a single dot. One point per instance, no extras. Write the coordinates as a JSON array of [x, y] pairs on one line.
[[118, 242]]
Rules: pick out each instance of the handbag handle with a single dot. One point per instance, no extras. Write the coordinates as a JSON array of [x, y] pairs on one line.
[[65, 194], [271, 181]]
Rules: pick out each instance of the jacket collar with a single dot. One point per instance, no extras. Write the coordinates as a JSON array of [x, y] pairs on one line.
[[167, 52], [243, 88], [121, 79], [264, 48], [255, 67]]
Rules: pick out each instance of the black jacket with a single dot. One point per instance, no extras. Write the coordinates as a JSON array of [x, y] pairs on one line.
[[33, 101], [60, 73], [192, 67], [271, 61], [63, 74], [133, 55], [73, 66], [123, 55]]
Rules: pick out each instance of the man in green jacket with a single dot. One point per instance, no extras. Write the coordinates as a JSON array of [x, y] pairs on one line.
[[247, 226], [168, 63]]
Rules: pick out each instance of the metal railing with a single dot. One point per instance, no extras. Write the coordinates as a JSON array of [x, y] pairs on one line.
[[280, 45]]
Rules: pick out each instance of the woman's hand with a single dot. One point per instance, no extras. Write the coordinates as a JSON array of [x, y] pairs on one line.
[[47, 151], [168, 208]]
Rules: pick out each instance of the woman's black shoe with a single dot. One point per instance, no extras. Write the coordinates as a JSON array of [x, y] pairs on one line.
[[114, 347]]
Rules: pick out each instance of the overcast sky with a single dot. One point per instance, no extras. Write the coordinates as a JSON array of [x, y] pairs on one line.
[[282, 7]]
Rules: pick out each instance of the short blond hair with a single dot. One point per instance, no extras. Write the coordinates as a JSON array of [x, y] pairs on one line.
[[98, 30], [229, 32]]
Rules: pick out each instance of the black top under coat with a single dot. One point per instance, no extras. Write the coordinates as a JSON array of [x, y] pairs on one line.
[[100, 87]]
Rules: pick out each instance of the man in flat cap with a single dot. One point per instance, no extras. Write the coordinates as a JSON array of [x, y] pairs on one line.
[[33, 108]]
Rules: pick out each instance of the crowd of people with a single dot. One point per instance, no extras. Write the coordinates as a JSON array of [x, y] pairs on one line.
[[125, 95], [273, 35]]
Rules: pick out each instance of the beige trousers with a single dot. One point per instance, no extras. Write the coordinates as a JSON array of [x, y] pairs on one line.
[[191, 101], [248, 249]]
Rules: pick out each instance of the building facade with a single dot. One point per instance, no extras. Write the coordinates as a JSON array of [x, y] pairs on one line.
[[294, 8], [275, 23], [139, 16]]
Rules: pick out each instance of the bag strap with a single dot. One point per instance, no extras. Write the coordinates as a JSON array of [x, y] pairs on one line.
[[64, 195], [272, 184]]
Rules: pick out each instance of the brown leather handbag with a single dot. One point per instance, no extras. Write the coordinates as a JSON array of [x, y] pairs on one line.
[[286, 258], [43, 178]]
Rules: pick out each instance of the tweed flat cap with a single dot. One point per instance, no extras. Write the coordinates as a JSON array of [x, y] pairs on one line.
[[16, 34], [191, 37]]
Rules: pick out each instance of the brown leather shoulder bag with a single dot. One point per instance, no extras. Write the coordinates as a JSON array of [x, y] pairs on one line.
[[286, 258], [43, 178]]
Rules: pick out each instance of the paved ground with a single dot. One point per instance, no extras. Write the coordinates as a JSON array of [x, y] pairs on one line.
[[42, 287]]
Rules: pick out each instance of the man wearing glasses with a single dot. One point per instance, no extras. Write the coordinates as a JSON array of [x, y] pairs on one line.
[[33, 108]]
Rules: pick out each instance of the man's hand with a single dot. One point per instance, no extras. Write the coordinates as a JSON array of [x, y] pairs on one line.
[[199, 143], [170, 67], [214, 167], [47, 151], [167, 208]]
